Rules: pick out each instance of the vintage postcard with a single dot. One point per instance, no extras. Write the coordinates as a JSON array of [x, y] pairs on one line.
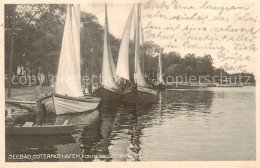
[[151, 83]]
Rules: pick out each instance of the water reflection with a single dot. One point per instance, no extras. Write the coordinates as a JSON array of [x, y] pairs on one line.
[[182, 125], [35, 145], [87, 131], [188, 103], [135, 132]]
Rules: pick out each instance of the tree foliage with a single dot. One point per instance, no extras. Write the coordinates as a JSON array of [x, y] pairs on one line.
[[38, 36]]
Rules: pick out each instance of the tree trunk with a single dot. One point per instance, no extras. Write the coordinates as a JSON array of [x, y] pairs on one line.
[[30, 77], [21, 72], [10, 73], [36, 75], [26, 74], [31, 71], [47, 78], [15, 69]]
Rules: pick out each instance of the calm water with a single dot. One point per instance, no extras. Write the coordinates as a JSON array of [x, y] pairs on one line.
[[205, 124]]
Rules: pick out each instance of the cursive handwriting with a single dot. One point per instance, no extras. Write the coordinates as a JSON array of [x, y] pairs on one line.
[[221, 9], [226, 31]]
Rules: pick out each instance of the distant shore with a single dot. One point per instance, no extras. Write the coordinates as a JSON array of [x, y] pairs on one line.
[[29, 93]]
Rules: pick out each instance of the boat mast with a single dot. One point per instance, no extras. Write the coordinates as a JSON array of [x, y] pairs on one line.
[[138, 75], [160, 77], [137, 39], [160, 67]]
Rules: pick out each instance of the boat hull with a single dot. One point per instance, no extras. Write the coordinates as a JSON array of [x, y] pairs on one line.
[[59, 104], [140, 95], [161, 87], [181, 86], [40, 130], [230, 85], [108, 96]]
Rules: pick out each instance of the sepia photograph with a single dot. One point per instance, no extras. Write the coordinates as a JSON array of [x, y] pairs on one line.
[[149, 80]]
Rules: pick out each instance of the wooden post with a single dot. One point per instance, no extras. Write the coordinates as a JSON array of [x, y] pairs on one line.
[[143, 64], [39, 105], [149, 71], [153, 73], [10, 71]]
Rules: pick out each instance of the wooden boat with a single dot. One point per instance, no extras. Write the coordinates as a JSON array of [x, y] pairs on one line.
[[139, 91], [206, 84], [68, 96], [20, 102], [229, 85], [21, 142], [160, 82], [229, 82], [80, 119], [29, 106], [109, 91], [59, 104], [108, 95], [161, 86], [182, 85], [39, 129], [140, 95]]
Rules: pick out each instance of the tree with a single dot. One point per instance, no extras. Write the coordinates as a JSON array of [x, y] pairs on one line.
[[170, 59], [12, 34], [149, 61], [204, 65], [36, 41], [175, 70], [38, 37]]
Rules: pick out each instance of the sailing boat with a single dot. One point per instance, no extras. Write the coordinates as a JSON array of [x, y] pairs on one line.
[[160, 82], [69, 96], [109, 91], [137, 91]]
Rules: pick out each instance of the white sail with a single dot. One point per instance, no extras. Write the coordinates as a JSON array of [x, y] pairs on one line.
[[138, 75], [160, 77], [68, 76], [108, 66], [113, 66], [123, 56]]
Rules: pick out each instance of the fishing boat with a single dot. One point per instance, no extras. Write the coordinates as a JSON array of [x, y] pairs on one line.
[[160, 82], [229, 82], [29, 129], [20, 142], [109, 90], [68, 96], [39, 130], [229, 85], [136, 91], [80, 119]]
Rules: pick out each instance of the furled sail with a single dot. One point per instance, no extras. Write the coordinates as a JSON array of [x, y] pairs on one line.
[[108, 66], [68, 76], [160, 76], [138, 75], [123, 56]]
